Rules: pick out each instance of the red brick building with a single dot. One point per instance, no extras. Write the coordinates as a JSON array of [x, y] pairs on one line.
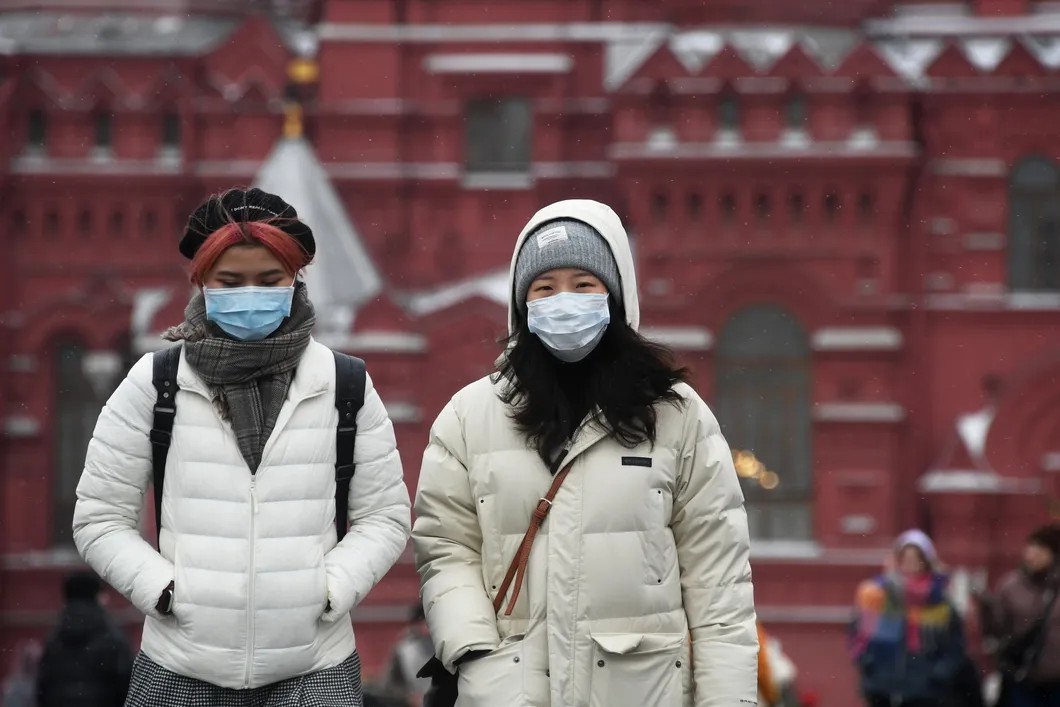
[[846, 220]]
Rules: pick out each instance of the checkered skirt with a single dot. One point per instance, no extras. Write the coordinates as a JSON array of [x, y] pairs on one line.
[[154, 686]]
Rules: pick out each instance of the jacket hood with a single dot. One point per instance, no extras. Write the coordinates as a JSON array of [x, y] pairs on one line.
[[607, 223]]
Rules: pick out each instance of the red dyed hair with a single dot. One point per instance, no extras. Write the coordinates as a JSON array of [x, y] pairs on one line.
[[248, 233]]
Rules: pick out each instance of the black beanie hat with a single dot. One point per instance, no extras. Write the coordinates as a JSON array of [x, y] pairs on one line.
[[81, 586], [243, 205]]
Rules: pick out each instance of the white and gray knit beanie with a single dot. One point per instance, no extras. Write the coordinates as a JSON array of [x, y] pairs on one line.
[[564, 243]]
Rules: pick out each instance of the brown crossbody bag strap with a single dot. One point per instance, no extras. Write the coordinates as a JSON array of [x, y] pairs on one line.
[[517, 570]]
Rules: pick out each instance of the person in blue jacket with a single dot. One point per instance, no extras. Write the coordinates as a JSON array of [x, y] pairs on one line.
[[907, 639]]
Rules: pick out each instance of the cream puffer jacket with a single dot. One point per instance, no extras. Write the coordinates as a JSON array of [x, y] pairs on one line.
[[253, 557], [643, 550]]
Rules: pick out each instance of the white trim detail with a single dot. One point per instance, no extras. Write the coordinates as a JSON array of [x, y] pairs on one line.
[[857, 339], [682, 338], [1051, 461], [487, 32], [982, 241], [21, 426], [949, 25], [974, 481], [785, 549], [561, 170], [723, 148], [857, 524], [995, 301], [969, 167], [498, 180], [94, 165], [376, 342], [858, 412], [404, 412], [498, 63]]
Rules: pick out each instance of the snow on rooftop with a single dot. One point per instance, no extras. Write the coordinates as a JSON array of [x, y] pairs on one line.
[[1045, 49], [694, 49], [910, 57], [146, 305], [985, 53], [625, 54], [762, 48], [111, 33], [491, 286], [973, 429]]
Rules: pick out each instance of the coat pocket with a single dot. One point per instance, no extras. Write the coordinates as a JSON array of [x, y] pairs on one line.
[[494, 679], [638, 669], [321, 586], [182, 590]]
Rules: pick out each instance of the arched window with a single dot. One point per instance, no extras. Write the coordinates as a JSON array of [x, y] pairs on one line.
[[694, 204], [795, 112], [763, 404], [76, 408], [729, 112], [1034, 226], [660, 205]]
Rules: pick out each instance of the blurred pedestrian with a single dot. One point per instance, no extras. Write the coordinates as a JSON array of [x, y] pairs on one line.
[[907, 638], [639, 584], [86, 661], [249, 594], [1022, 620], [20, 688], [410, 653]]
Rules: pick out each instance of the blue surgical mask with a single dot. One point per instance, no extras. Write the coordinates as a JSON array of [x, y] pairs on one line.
[[248, 313], [569, 324]]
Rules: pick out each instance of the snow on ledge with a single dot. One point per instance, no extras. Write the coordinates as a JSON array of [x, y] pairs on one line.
[[859, 412], [682, 338], [857, 339], [491, 286], [973, 481], [21, 426], [785, 549], [404, 412], [495, 63], [63, 557], [376, 342]]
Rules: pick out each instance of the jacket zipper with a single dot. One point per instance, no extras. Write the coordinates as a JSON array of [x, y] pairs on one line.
[[250, 584]]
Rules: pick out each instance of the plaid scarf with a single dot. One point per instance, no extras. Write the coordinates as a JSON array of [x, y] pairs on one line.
[[249, 378]]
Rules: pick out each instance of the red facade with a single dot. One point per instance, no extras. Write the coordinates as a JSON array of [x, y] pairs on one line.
[[875, 188]]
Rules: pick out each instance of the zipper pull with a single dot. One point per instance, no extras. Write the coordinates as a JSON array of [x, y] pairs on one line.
[[253, 496]]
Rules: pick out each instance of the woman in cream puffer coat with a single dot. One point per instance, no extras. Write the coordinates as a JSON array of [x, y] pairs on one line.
[[638, 589]]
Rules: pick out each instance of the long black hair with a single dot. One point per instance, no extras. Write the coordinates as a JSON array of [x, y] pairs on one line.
[[618, 383]]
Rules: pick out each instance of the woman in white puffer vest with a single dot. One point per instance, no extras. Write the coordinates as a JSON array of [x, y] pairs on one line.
[[637, 589], [248, 597]]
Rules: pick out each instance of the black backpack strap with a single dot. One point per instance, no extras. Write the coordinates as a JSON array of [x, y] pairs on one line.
[[349, 397], [164, 379]]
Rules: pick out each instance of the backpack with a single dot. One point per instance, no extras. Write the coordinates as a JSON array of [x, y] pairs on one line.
[[349, 397]]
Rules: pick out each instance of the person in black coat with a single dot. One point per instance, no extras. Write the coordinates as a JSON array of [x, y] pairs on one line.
[[86, 661]]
